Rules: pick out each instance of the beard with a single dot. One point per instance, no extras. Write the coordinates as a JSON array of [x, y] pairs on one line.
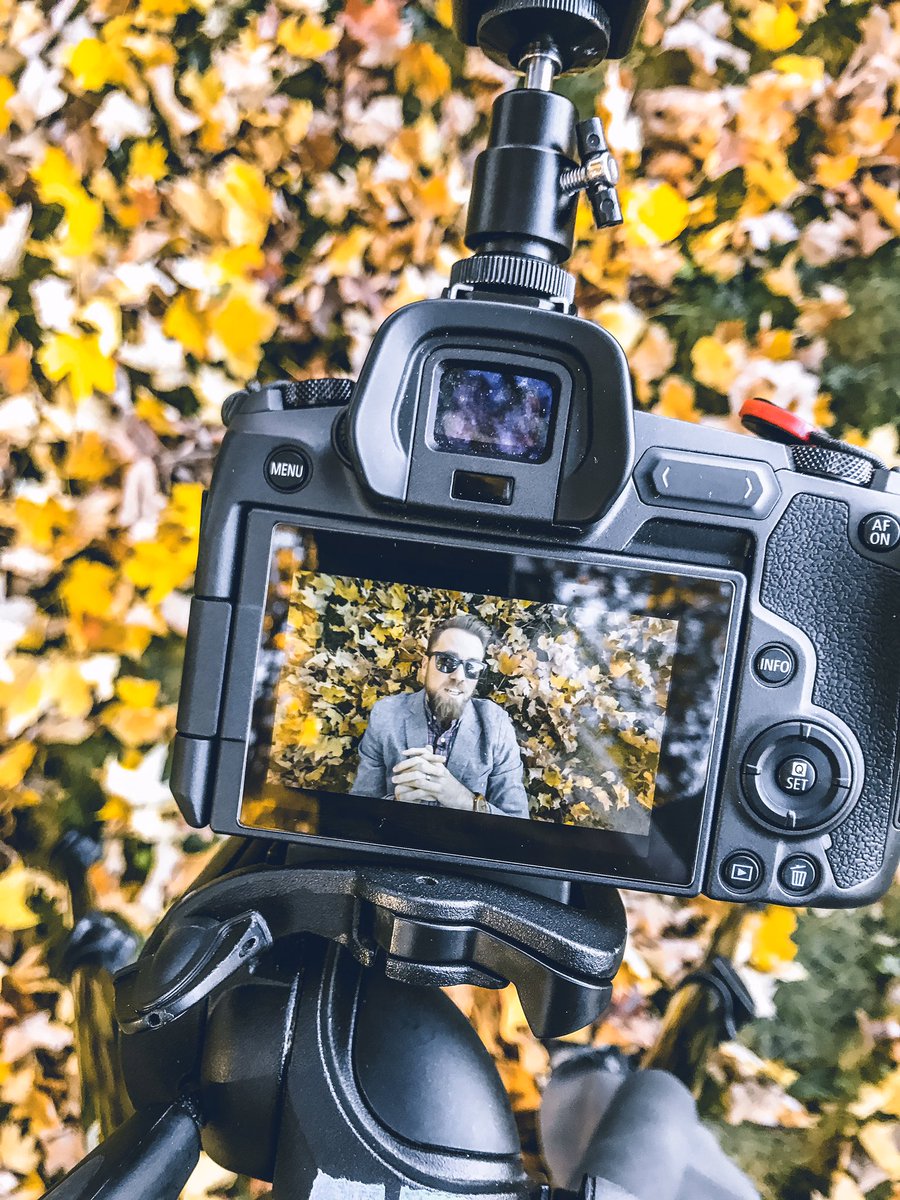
[[447, 709]]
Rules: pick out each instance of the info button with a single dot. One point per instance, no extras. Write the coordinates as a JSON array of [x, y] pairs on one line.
[[775, 665]]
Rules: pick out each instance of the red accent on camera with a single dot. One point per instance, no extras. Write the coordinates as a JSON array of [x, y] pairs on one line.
[[767, 420]]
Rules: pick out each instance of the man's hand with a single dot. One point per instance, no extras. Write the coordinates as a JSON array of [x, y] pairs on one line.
[[423, 778]]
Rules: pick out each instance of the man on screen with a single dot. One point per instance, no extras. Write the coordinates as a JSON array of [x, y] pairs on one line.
[[439, 746]]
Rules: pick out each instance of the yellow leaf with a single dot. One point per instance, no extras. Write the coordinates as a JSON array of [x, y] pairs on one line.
[[138, 726], [247, 203], [881, 1141], [147, 160], [885, 201], [115, 809], [716, 363], [159, 568], [15, 888], [677, 399], [56, 177], [772, 943], [883, 1097], [78, 358], [772, 176], [183, 323], [136, 692], [241, 322], [422, 70], [155, 413], [7, 91], [94, 63], [166, 8], [777, 344], [87, 590], [809, 68], [307, 37], [655, 213], [309, 732], [834, 169], [14, 763], [772, 26], [87, 458]]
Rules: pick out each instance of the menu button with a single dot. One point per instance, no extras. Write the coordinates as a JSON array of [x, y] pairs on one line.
[[287, 469]]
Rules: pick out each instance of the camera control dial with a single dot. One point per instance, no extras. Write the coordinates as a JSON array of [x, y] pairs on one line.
[[797, 776]]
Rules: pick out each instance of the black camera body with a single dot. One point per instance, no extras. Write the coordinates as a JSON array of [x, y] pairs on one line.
[[776, 776], [475, 610]]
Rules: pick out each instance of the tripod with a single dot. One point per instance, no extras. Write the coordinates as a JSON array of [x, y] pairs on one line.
[[284, 1014]]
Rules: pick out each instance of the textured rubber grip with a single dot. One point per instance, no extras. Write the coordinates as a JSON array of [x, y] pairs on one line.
[[849, 607]]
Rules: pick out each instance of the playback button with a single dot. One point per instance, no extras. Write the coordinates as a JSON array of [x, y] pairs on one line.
[[741, 872]]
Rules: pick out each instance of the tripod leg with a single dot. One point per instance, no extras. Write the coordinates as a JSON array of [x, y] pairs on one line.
[[152, 1154]]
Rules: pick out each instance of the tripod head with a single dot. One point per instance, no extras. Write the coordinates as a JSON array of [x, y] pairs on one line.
[[580, 32], [526, 183]]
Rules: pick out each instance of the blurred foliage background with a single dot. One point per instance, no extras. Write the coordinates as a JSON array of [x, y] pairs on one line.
[[192, 194]]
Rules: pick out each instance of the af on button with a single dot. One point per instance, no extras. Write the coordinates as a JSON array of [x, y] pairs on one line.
[[287, 469], [880, 532]]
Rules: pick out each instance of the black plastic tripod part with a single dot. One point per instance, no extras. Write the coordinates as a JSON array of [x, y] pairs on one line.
[[98, 940], [426, 930], [623, 18], [151, 1155], [734, 1002], [576, 31], [517, 205]]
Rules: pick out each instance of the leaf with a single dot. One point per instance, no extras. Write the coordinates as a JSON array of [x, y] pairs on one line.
[[14, 763], [15, 889], [881, 1141], [773, 26], [239, 324], [771, 942], [654, 213], [307, 37], [147, 160], [78, 359]]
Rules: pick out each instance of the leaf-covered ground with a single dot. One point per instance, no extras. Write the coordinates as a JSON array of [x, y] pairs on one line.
[[194, 193]]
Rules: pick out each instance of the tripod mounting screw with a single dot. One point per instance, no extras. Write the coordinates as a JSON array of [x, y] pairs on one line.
[[575, 32], [597, 176]]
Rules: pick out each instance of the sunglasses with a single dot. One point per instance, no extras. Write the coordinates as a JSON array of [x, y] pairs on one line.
[[447, 663]]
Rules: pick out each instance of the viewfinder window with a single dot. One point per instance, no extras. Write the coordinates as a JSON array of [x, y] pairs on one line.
[[495, 413]]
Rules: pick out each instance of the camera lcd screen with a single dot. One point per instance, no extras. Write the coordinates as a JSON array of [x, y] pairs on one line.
[[494, 413], [492, 705]]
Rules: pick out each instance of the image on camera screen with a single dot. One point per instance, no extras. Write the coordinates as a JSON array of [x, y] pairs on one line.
[[499, 414], [551, 711]]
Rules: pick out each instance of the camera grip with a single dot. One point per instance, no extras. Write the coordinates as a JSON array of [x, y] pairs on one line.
[[849, 607]]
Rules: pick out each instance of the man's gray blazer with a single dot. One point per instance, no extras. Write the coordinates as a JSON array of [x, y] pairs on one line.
[[484, 758]]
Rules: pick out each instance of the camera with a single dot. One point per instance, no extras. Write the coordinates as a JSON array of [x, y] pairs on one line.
[[473, 609]]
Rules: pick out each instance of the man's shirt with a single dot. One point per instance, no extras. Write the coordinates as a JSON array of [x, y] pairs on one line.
[[441, 739]]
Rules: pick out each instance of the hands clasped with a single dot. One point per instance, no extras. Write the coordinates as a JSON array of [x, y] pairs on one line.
[[422, 778]]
